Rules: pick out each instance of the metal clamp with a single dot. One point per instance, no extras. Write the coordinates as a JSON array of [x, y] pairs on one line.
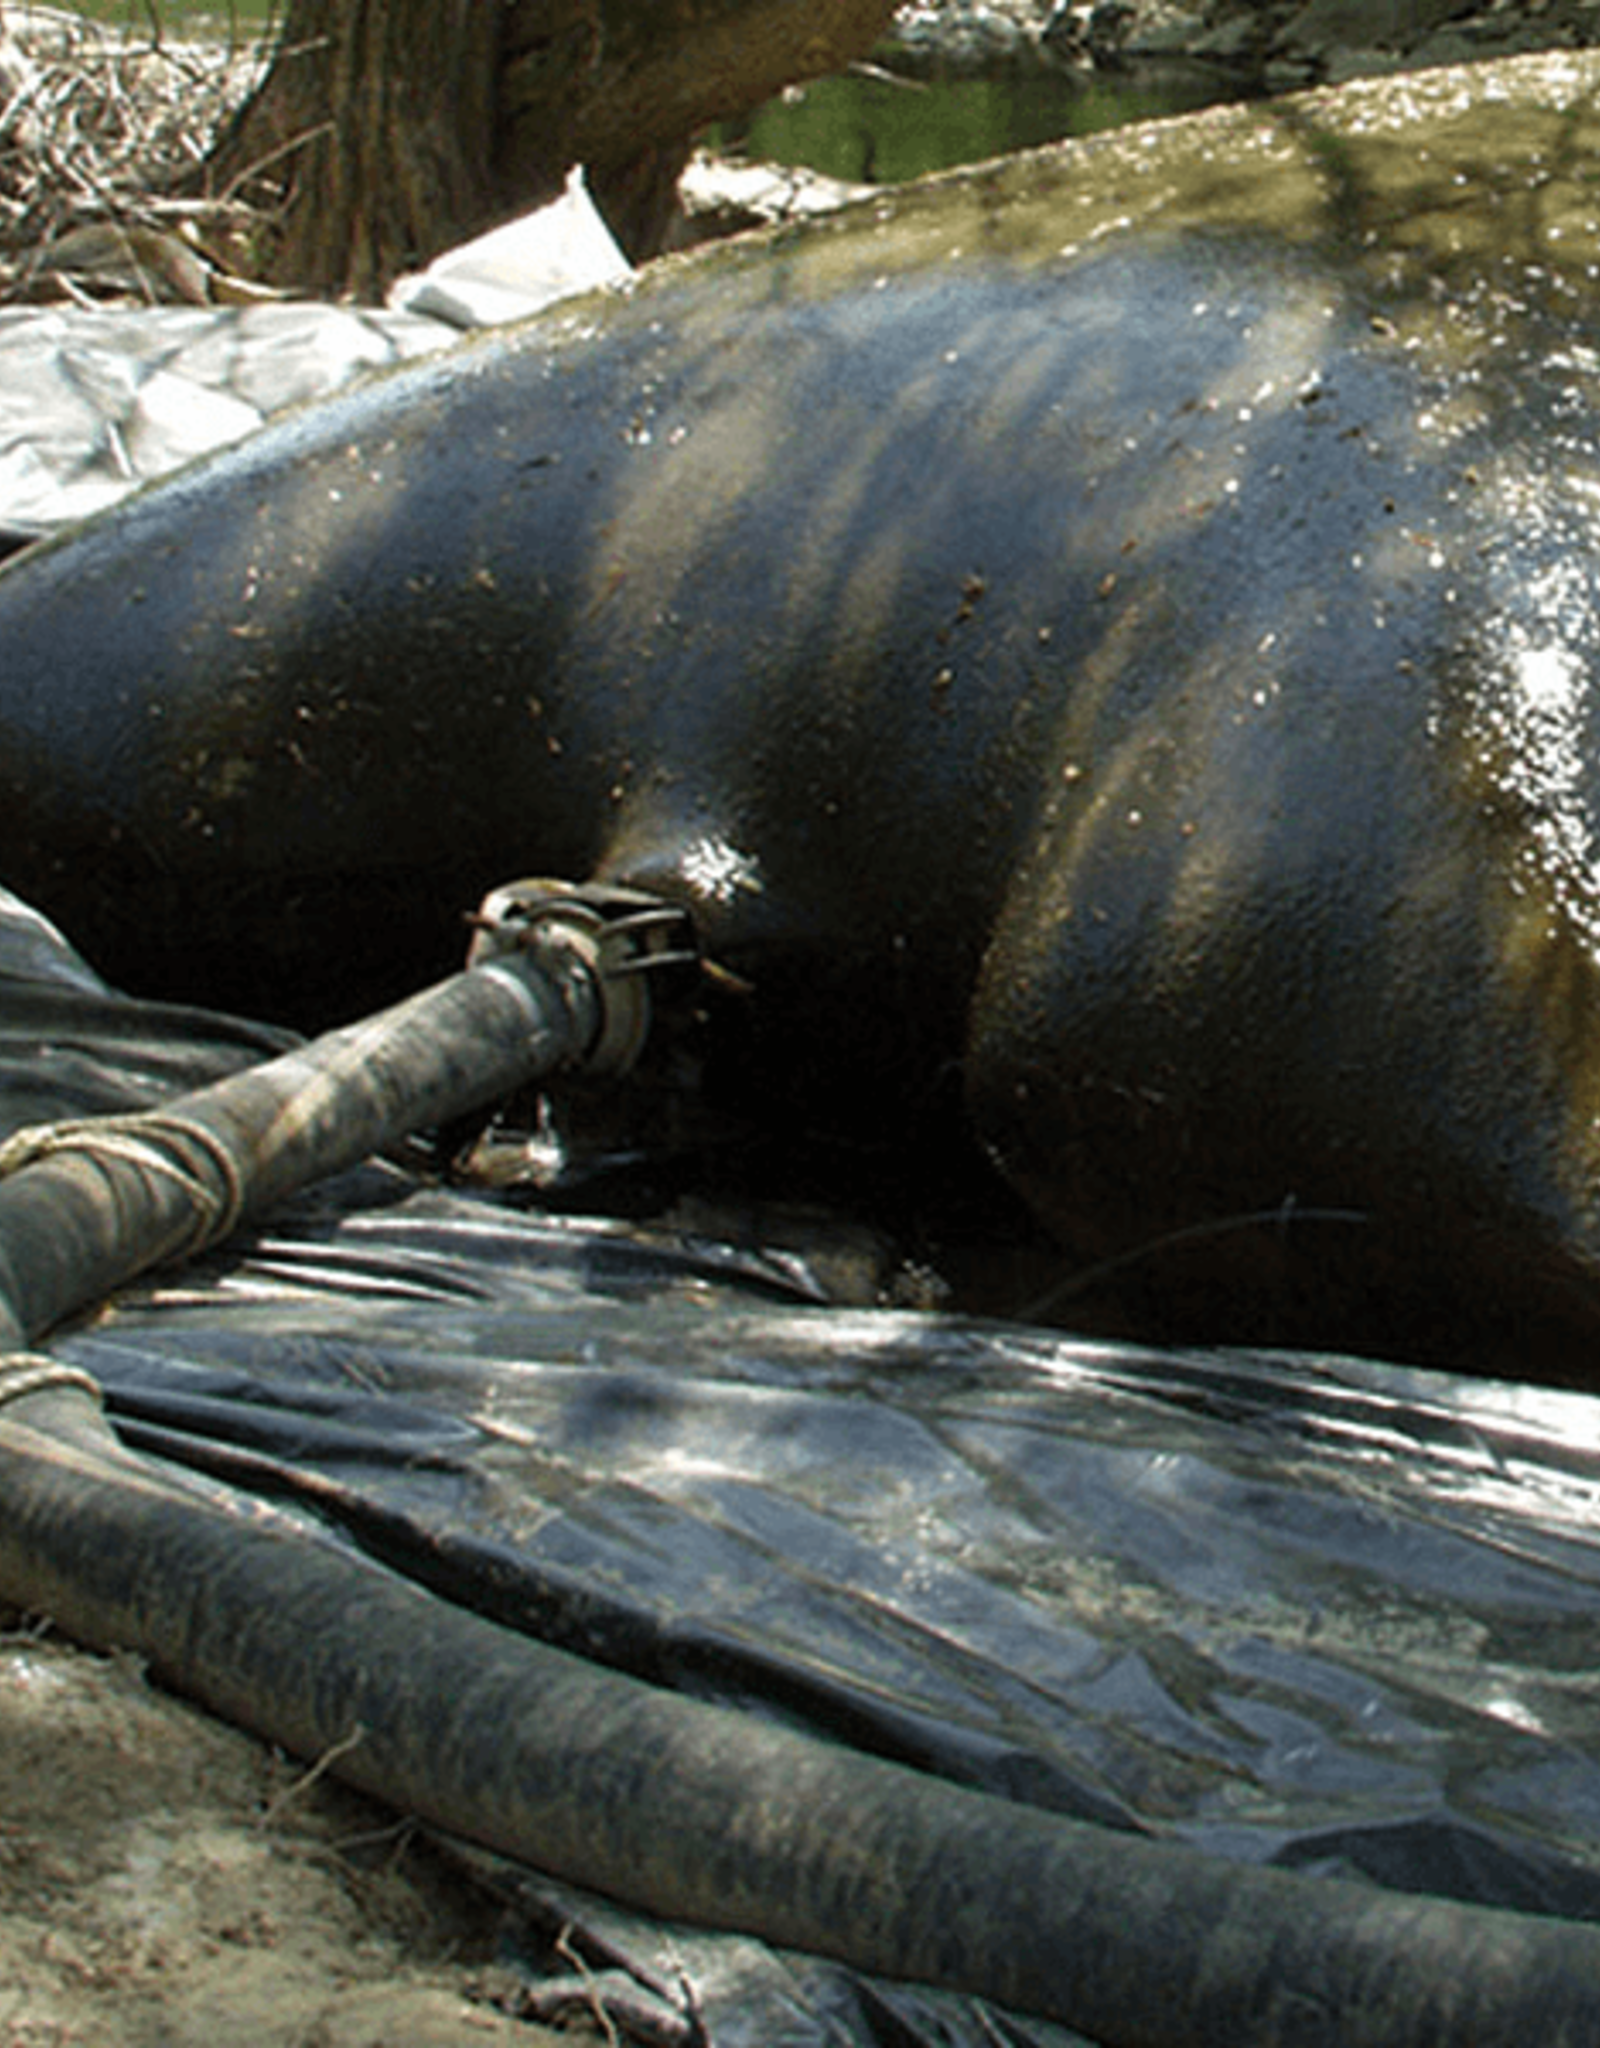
[[623, 937]]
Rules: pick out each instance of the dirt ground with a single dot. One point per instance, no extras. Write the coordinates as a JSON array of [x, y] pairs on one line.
[[167, 1882]]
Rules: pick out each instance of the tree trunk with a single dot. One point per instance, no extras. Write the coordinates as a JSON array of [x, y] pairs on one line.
[[370, 136], [657, 72], [386, 130]]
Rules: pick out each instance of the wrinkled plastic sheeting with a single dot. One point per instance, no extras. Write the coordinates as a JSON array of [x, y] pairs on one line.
[[1317, 1612], [513, 270], [96, 401]]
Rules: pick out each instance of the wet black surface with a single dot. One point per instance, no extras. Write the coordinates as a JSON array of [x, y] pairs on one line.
[[1315, 1611], [1288, 1606], [1102, 645]]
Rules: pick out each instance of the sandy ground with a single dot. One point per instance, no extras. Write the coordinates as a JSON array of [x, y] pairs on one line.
[[167, 1882]]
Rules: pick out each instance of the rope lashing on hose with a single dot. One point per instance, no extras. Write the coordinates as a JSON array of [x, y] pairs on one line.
[[175, 1148], [33, 1372]]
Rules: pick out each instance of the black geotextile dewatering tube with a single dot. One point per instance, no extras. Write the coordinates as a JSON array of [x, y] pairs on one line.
[[686, 1810]]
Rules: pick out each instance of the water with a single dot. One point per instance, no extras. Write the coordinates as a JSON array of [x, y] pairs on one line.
[[874, 130]]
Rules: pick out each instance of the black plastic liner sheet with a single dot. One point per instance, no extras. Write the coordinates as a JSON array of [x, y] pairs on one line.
[[1315, 1611]]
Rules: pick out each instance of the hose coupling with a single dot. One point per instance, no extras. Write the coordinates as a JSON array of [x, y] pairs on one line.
[[627, 941]]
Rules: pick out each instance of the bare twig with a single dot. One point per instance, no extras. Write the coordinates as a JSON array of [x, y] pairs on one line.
[[273, 1811], [102, 127]]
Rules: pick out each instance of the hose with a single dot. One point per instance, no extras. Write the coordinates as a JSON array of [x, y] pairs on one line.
[[556, 979], [683, 1809], [87, 1206]]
